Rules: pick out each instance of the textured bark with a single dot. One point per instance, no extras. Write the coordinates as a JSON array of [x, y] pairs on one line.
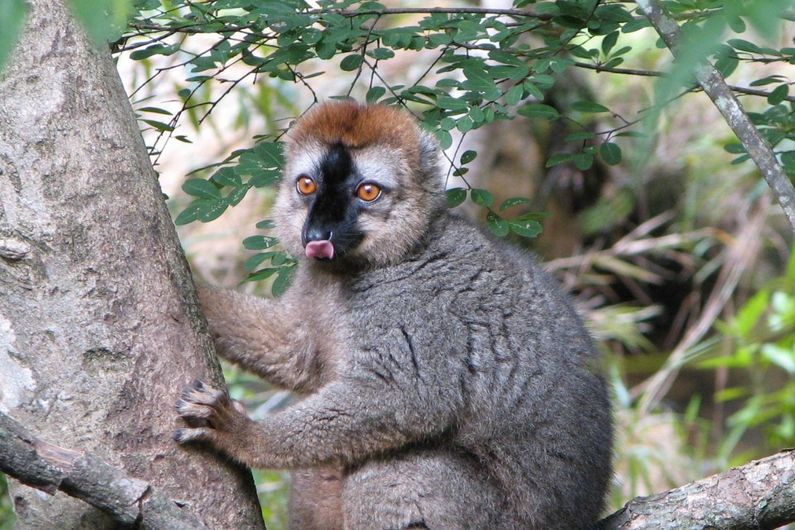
[[99, 325], [758, 495], [50, 468]]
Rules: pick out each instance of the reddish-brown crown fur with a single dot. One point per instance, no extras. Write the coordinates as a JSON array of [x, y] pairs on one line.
[[358, 126]]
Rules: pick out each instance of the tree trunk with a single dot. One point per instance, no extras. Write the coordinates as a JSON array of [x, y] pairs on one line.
[[99, 325]]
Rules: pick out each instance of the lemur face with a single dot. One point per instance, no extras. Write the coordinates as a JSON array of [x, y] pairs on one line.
[[346, 194], [353, 188]]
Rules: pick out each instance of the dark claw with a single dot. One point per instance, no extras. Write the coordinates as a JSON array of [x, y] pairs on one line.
[[180, 402], [198, 385], [178, 435]]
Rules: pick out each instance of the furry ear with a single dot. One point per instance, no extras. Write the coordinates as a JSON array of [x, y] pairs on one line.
[[429, 155]]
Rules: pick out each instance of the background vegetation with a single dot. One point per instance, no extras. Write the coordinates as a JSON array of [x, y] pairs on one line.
[[567, 128]]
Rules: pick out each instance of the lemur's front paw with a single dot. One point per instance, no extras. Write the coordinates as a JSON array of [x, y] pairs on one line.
[[210, 413]]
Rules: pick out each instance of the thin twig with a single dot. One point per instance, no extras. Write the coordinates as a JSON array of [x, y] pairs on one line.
[[655, 73]]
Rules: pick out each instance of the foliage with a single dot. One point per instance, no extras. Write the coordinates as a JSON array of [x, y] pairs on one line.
[[760, 345], [490, 65], [6, 512]]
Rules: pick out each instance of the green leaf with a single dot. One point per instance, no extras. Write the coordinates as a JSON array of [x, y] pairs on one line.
[[451, 103], [513, 201], [559, 158], [768, 80], [154, 110], [262, 163], [270, 153], [498, 226], [237, 195], [256, 260], [159, 125], [780, 356], [525, 227], [374, 94], [579, 136], [589, 107], [539, 110], [156, 49], [611, 153], [609, 42], [203, 210], [749, 315], [465, 124], [778, 95], [482, 197], [189, 214], [381, 53], [736, 24], [103, 20], [744, 46], [734, 148], [468, 156], [583, 160], [282, 281], [478, 79], [226, 177], [265, 224], [455, 196], [259, 242], [325, 49], [533, 90], [727, 64], [514, 95], [635, 25], [351, 62], [445, 138], [201, 188], [262, 274]]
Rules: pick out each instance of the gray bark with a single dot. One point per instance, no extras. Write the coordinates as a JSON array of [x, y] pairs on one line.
[[99, 325], [50, 468], [760, 494]]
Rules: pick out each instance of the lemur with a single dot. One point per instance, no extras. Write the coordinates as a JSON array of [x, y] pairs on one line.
[[448, 383]]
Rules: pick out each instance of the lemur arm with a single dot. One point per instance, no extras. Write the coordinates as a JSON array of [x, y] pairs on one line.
[[261, 335], [345, 422]]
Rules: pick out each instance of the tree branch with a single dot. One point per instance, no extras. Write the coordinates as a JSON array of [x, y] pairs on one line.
[[654, 73], [431, 10], [719, 92], [760, 494], [81, 475]]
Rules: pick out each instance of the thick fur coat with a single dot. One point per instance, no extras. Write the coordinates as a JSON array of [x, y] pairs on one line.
[[449, 383]]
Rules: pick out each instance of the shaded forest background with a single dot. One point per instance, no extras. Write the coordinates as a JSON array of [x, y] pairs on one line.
[[634, 193]]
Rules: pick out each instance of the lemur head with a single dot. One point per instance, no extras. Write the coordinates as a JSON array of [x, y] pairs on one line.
[[360, 185]]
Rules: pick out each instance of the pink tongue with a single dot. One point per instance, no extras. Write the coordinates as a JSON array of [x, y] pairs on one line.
[[320, 249]]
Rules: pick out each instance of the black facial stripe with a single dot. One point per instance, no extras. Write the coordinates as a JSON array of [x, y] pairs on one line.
[[333, 208]]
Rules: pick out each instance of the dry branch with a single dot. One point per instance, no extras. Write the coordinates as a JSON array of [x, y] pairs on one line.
[[729, 106], [758, 495], [84, 476]]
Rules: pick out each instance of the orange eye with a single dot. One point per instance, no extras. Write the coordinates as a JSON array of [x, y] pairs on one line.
[[305, 185], [368, 192]]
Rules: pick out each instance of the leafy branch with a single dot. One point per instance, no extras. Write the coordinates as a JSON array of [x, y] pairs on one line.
[[713, 84]]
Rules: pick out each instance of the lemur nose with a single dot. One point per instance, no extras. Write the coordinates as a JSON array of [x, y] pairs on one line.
[[317, 234]]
